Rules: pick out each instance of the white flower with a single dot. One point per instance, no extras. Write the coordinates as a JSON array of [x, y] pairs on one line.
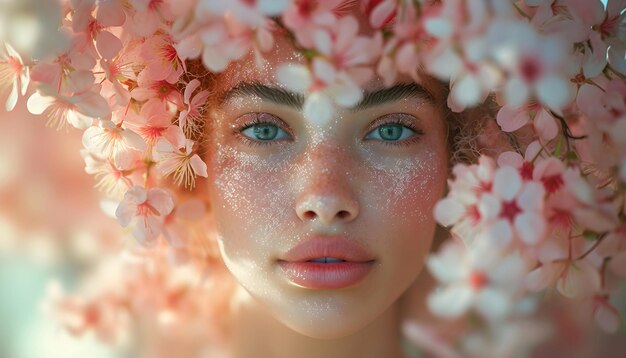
[[181, 162], [478, 276]]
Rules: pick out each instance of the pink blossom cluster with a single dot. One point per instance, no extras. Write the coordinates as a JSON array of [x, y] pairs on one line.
[[548, 215]]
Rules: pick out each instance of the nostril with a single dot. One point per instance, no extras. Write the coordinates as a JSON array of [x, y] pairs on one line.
[[343, 214], [309, 215]]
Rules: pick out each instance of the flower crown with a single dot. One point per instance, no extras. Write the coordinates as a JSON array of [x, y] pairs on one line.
[[551, 214]]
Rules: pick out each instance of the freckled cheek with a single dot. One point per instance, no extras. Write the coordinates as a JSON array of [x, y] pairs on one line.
[[409, 191], [251, 206], [403, 197]]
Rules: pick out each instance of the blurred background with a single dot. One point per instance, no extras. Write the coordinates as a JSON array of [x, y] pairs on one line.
[[51, 228]]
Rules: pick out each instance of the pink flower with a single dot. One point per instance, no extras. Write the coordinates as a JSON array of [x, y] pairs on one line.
[[79, 103], [227, 40], [477, 277], [13, 74], [112, 141], [114, 179], [460, 208], [116, 72], [460, 52], [337, 74], [154, 122], [150, 15], [513, 209], [191, 118], [602, 29], [534, 64], [573, 278], [511, 119], [109, 14], [161, 59], [162, 90], [526, 164], [304, 17], [253, 13], [145, 210], [400, 53], [381, 12], [181, 161]]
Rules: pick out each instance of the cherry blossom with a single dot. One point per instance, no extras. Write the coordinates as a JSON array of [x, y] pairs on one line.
[[79, 104], [109, 14], [13, 74], [336, 75], [511, 119], [161, 60], [161, 89], [304, 17], [461, 207], [226, 40], [179, 160], [534, 64], [145, 210], [110, 140], [477, 277], [603, 28], [150, 16], [113, 178], [573, 278], [249, 13], [154, 122], [190, 118]]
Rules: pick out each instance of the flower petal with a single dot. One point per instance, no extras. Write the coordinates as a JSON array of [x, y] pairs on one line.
[[451, 301]]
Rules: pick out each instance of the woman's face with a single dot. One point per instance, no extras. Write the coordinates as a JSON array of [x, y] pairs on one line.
[[371, 175]]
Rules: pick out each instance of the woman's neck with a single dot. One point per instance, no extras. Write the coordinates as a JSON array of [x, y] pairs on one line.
[[255, 333]]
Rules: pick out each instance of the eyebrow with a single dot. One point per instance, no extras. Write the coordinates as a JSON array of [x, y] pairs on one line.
[[295, 100]]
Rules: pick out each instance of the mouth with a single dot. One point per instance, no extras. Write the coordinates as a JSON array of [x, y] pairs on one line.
[[327, 263], [326, 260]]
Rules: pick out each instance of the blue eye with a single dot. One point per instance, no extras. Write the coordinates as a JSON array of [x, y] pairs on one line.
[[391, 132], [265, 131]]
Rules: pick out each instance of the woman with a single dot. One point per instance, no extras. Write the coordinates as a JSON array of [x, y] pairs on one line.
[[321, 182], [360, 188]]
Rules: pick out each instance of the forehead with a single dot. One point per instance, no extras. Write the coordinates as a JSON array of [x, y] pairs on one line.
[[252, 69], [255, 69]]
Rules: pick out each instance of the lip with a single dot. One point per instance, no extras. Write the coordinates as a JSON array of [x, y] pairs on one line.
[[316, 275]]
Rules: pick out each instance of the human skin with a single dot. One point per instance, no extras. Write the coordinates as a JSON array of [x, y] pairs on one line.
[[338, 179]]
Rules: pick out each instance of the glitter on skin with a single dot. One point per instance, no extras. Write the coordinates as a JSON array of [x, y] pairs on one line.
[[258, 189]]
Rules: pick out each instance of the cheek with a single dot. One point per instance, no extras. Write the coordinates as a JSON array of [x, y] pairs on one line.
[[251, 203], [408, 190], [401, 199]]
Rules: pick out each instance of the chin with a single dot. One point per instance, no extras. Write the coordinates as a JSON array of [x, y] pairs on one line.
[[322, 328], [327, 317]]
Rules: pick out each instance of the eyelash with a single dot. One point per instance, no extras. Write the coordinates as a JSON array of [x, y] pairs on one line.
[[377, 123], [238, 131], [400, 121]]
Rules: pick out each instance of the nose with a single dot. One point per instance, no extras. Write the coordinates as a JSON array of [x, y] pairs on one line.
[[327, 196]]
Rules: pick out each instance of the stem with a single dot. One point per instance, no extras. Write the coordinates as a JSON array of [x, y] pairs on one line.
[[521, 12], [594, 246], [568, 133], [617, 73]]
